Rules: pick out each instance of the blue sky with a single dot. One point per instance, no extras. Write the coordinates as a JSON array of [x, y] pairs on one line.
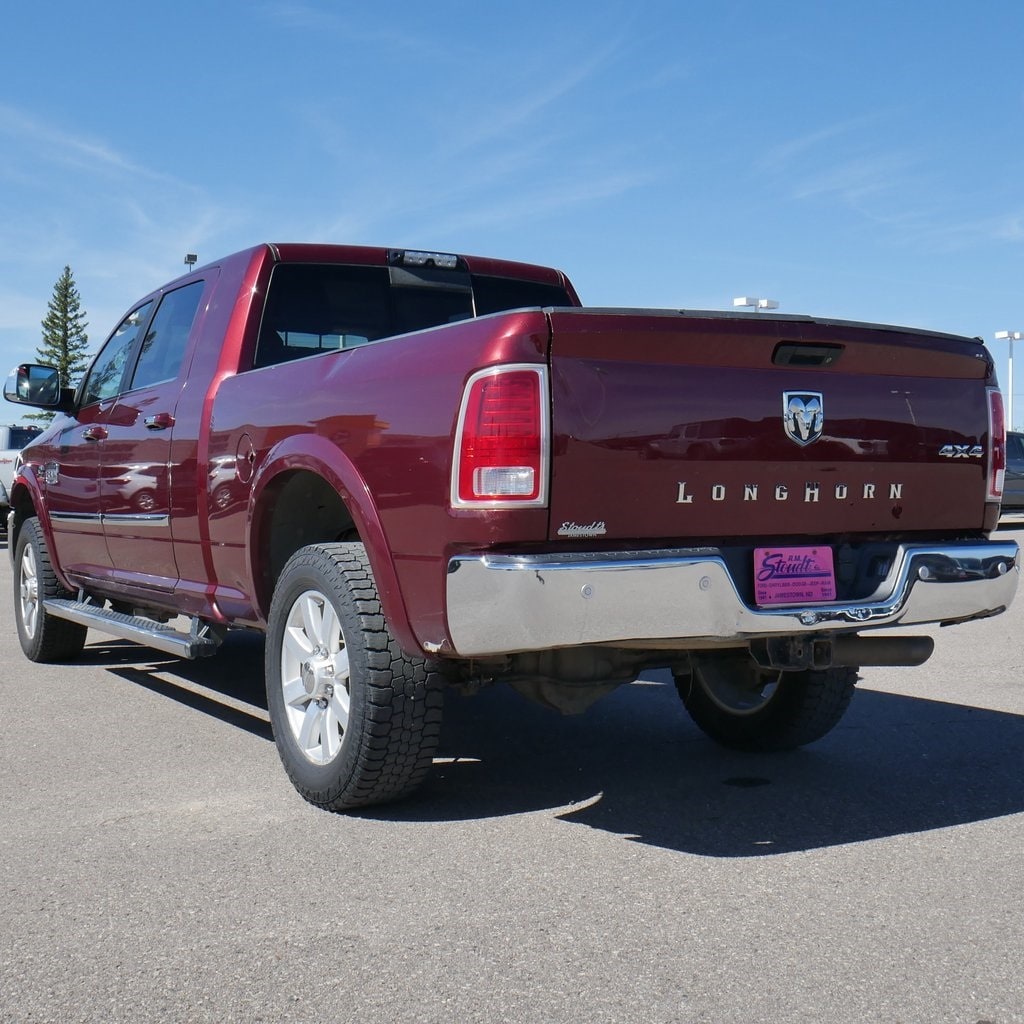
[[858, 160]]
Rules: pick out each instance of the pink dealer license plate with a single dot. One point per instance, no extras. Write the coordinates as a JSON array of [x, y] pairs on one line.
[[794, 575]]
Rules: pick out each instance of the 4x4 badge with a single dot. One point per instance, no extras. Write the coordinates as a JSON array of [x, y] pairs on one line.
[[962, 451], [803, 415]]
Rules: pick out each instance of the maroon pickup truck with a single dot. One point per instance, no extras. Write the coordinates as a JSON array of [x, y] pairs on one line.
[[414, 470]]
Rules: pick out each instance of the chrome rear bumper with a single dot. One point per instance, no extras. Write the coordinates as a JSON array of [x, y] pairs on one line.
[[499, 604]]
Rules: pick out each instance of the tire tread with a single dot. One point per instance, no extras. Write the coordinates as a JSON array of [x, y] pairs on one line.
[[809, 704], [55, 639], [401, 724]]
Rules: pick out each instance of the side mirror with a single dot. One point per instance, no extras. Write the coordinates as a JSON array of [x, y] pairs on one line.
[[34, 384]]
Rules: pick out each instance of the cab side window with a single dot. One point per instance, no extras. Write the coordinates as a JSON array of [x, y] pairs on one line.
[[311, 309], [314, 308], [163, 347], [107, 372]]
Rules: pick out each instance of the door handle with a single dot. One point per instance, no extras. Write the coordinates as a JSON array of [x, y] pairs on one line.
[[94, 433], [159, 421]]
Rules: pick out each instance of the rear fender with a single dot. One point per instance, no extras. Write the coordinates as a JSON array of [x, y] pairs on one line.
[[314, 454]]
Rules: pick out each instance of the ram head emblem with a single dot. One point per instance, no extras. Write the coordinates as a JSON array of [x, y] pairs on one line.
[[803, 415]]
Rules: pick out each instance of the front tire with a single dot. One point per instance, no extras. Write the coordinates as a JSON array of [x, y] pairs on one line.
[[356, 721], [745, 707], [43, 636]]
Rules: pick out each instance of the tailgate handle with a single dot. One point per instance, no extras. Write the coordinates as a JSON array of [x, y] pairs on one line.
[[794, 353]]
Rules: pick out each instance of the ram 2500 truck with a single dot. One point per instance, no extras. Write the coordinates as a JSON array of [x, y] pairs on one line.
[[414, 470]]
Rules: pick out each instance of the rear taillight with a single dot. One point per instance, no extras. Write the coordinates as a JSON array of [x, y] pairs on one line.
[[996, 445], [501, 440]]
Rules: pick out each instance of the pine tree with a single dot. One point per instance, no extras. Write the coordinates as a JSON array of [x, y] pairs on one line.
[[65, 343]]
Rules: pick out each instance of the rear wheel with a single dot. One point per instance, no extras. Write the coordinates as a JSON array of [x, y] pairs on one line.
[[43, 636], [356, 721], [745, 707]]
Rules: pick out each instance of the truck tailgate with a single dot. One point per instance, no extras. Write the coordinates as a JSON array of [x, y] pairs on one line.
[[680, 425]]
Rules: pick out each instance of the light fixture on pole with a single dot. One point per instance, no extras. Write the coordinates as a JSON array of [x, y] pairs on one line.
[[1011, 337], [756, 303], [190, 260]]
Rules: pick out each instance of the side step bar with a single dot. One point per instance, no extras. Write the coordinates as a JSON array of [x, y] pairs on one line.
[[200, 642]]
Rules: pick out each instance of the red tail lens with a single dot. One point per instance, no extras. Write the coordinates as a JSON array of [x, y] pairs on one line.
[[501, 443], [996, 445]]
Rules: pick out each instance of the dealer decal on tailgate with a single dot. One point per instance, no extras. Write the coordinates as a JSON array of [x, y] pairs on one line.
[[794, 575]]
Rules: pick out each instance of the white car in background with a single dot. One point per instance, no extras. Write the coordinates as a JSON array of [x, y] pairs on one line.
[[12, 440]]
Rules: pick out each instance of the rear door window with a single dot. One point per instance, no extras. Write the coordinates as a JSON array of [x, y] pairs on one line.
[[314, 308], [494, 294], [163, 347]]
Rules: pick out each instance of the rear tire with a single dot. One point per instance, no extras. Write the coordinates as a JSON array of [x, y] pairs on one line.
[[43, 636], [356, 721], [745, 707]]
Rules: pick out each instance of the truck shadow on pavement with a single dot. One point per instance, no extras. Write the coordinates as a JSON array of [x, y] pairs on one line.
[[634, 765], [228, 687]]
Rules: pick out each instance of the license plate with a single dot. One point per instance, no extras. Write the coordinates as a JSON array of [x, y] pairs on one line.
[[794, 575]]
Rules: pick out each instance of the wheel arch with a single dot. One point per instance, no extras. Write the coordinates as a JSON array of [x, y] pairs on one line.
[[27, 503], [308, 492]]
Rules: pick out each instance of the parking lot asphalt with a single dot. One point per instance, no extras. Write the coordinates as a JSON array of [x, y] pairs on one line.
[[156, 864]]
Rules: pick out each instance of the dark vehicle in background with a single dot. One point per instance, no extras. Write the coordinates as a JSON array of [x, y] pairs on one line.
[[1013, 490]]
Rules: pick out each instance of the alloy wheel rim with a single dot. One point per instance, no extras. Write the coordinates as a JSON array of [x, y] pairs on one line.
[[315, 677], [29, 591]]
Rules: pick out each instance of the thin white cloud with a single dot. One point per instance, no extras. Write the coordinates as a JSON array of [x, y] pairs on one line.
[[944, 235], [304, 17], [503, 118], [490, 162], [124, 195], [482, 194], [1008, 228], [536, 202], [64, 147], [846, 161], [782, 155], [855, 179], [122, 226]]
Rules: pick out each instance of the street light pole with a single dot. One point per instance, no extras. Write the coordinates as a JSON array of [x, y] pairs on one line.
[[1011, 337], [756, 303]]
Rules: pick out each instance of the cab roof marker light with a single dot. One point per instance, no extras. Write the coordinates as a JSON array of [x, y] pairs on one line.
[[442, 260]]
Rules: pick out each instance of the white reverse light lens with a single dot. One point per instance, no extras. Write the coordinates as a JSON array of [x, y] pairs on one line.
[[495, 481]]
